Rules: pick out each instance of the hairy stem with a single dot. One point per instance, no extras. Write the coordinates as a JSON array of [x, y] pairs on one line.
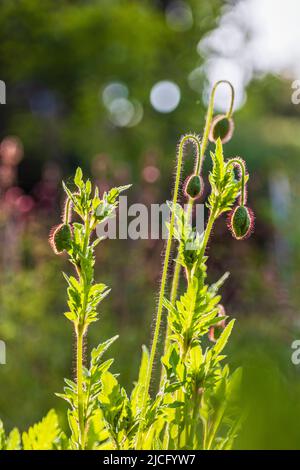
[[210, 112], [183, 141], [203, 146], [80, 335], [79, 367], [67, 211], [193, 426], [241, 164], [175, 283], [209, 226]]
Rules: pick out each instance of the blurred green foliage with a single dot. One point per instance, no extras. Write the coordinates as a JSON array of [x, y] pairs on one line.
[[71, 50]]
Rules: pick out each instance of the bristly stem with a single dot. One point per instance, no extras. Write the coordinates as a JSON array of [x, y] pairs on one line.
[[209, 226], [240, 163], [184, 140], [80, 331], [175, 283], [67, 211], [210, 112], [79, 362], [204, 142]]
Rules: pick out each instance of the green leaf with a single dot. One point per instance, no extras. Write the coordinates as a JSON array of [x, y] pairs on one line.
[[218, 170], [78, 177], [137, 393], [2, 436], [98, 352], [42, 435], [71, 316], [14, 440], [222, 341]]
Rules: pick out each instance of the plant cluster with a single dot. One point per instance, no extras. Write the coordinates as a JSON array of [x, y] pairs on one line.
[[196, 405]]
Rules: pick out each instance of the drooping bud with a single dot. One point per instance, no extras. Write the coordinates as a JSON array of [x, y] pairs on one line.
[[194, 186], [241, 221], [61, 238], [221, 127]]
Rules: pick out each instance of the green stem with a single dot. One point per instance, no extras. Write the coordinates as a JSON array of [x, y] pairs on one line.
[[79, 361], [66, 216], [175, 283], [200, 158], [212, 216], [241, 164], [181, 396], [205, 433], [209, 226], [210, 112], [183, 141], [81, 328], [193, 426]]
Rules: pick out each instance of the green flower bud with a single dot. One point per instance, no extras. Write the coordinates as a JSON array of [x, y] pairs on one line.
[[221, 127], [241, 222], [194, 186], [61, 238]]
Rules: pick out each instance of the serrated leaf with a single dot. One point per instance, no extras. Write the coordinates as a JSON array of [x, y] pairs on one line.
[[222, 341], [98, 352], [42, 435], [14, 440]]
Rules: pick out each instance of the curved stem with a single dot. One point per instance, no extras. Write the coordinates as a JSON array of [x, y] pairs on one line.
[[66, 217], [210, 111], [208, 122], [184, 140], [238, 162]]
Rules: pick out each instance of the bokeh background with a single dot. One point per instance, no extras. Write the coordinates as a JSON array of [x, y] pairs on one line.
[[111, 85]]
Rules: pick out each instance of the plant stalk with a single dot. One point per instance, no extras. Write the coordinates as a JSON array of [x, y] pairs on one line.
[[241, 164], [79, 367], [206, 130], [183, 141], [80, 335], [175, 283]]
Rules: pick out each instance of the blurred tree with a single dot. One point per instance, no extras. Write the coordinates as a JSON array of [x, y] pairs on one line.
[[57, 58]]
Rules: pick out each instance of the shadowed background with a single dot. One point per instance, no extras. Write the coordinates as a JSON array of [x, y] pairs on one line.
[[111, 86]]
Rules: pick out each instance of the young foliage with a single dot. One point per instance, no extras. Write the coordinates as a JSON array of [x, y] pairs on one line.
[[44, 435], [84, 297], [10, 442], [193, 369], [224, 187]]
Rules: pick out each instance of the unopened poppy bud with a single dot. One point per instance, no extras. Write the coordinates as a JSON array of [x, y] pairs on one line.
[[241, 222], [61, 238], [193, 186], [221, 127]]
